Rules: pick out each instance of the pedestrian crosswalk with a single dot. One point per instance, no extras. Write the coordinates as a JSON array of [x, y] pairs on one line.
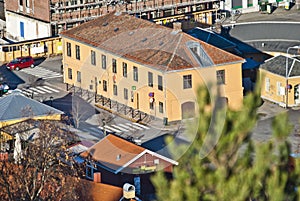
[[126, 127], [41, 72], [38, 90]]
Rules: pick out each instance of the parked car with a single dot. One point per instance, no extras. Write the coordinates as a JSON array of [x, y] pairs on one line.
[[21, 62]]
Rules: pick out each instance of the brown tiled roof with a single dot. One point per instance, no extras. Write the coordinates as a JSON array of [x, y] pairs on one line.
[[113, 152], [99, 191], [147, 42]]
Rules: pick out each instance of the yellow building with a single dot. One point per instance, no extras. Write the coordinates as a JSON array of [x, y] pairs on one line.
[[281, 81], [148, 67]]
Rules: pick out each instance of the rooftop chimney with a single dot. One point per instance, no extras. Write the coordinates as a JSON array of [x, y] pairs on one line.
[[177, 26], [97, 177]]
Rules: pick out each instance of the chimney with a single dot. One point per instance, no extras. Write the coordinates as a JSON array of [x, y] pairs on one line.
[[218, 26], [128, 191], [177, 26], [97, 177]]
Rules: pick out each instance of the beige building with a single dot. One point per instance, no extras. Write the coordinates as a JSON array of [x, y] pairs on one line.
[[148, 67], [281, 81]]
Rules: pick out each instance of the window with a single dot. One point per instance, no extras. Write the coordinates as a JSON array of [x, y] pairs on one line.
[[27, 3], [124, 69], [221, 76], [135, 74], [267, 84], [187, 81], [70, 73], [114, 66], [103, 57], [104, 85], [160, 84], [78, 76], [77, 52], [125, 94], [161, 107], [150, 79], [93, 57], [115, 90], [21, 2], [89, 171], [68, 49], [278, 88], [151, 105]]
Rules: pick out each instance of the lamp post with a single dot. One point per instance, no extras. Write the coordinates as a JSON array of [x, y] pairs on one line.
[[287, 74]]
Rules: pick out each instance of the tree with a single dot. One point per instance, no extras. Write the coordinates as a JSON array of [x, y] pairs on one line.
[[235, 168], [46, 171]]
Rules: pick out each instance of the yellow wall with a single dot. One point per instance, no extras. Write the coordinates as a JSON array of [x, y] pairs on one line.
[[172, 98], [47, 117], [11, 51], [272, 94]]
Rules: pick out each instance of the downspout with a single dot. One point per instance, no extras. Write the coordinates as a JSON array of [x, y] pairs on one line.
[[164, 73]]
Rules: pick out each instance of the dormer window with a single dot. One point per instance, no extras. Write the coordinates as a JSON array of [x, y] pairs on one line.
[[200, 54]]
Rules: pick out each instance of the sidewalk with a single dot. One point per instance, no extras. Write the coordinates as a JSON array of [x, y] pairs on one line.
[[279, 14]]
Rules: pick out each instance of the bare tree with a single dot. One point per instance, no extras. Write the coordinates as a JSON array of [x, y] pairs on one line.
[[78, 111], [46, 170]]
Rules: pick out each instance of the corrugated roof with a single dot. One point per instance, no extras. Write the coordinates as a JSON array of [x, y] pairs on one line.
[[147, 43], [277, 65], [16, 106]]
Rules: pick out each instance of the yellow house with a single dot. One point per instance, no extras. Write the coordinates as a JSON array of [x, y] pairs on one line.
[[148, 67], [281, 80]]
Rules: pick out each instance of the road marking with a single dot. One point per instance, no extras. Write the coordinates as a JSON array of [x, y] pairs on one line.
[[36, 90], [126, 127], [29, 91], [51, 89], [42, 72], [43, 89], [107, 130], [118, 127], [113, 129], [133, 126], [145, 127]]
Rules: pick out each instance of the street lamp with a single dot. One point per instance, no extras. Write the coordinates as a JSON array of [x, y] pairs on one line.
[[287, 73]]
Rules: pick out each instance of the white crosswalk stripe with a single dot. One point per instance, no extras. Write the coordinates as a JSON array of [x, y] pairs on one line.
[[127, 127], [39, 90], [120, 128], [41, 72], [51, 89], [134, 126], [141, 125], [113, 129]]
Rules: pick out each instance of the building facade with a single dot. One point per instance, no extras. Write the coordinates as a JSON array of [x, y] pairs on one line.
[[278, 87], [148, 67], [30, 19]]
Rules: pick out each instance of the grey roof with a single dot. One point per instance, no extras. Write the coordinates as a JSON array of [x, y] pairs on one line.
[[277, 65], [16, 106]]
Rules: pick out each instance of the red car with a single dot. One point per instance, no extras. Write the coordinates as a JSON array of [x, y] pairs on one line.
[[20, 62]]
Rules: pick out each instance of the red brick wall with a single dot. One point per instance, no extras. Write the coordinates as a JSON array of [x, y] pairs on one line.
[[39, 9], [148, 160]]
